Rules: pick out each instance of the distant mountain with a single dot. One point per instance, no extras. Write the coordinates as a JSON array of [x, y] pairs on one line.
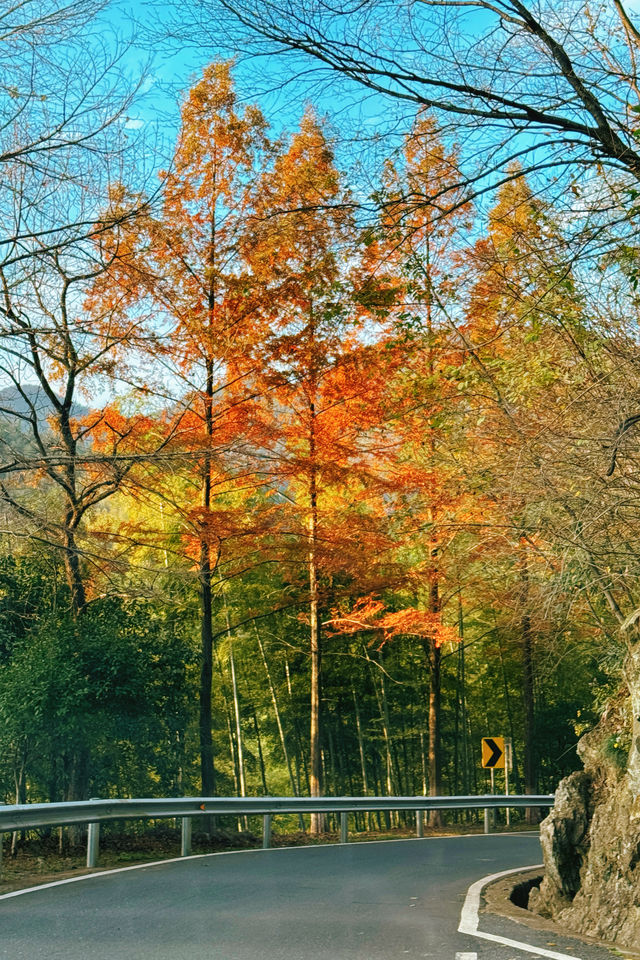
[[34, 398]]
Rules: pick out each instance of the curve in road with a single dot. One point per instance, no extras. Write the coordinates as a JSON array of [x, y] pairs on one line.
[[390, 900]]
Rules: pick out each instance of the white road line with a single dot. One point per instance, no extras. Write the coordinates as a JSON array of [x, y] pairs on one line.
[[469, 918], [466, 956], [101, 873]]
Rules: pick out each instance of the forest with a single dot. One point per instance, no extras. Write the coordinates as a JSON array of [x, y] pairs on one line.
[[308, 481]]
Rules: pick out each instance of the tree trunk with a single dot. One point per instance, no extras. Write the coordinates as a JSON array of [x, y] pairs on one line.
[[229, 721], [78, 784], [433, 652], [433, 656], [435, 786], [507, 698], [263, 769], [461, 742], [423, 758], [300, 755], [236, 706], [315, 772], [207, 770], [528, 697], [383, 710], [236, 711], [392, 753], [363, 764], [20, 781], [72, 569], [295, 788], [335, 787]]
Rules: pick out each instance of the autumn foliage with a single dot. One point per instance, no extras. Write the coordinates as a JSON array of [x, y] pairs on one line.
[[345, 428]]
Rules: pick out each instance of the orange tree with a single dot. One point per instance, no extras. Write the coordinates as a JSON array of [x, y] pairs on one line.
[[524, 328], [322, 386], [411, 252], [182, 265]]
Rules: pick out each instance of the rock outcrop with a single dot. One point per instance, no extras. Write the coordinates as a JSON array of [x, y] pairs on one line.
[[591, 840]]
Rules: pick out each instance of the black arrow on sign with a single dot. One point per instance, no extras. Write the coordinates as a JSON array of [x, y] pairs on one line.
[[496, 754]]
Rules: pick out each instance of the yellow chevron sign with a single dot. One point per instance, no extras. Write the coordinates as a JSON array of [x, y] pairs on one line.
[[493, 754]]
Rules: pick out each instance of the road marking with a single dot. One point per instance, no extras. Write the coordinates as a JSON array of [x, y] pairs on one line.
[[101, 873], [240, 853], [466, 956], [470, 919]]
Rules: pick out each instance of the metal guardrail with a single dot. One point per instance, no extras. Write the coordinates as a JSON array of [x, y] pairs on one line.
[[94, 812]]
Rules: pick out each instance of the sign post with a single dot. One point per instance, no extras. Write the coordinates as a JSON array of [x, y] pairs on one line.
[[507, 766], [493, 757]]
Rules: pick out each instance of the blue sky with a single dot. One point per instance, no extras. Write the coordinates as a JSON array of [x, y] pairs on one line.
[[173, 68], [367, 127]]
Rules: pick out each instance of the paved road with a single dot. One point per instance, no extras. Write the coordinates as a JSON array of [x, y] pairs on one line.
[[380, 901]]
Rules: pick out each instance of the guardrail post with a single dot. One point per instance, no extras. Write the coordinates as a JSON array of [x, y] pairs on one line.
[[266, 831], [93, 841], [487, 820], [344, 827], [185, 845], [419, 822]]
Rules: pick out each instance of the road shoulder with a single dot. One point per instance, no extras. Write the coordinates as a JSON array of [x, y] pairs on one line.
[[496, 903]]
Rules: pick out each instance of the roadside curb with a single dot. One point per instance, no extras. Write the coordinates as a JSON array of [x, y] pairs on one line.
[[496, 894], [470, 917]]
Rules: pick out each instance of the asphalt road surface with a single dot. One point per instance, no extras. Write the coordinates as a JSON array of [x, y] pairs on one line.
[[362, 901]]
